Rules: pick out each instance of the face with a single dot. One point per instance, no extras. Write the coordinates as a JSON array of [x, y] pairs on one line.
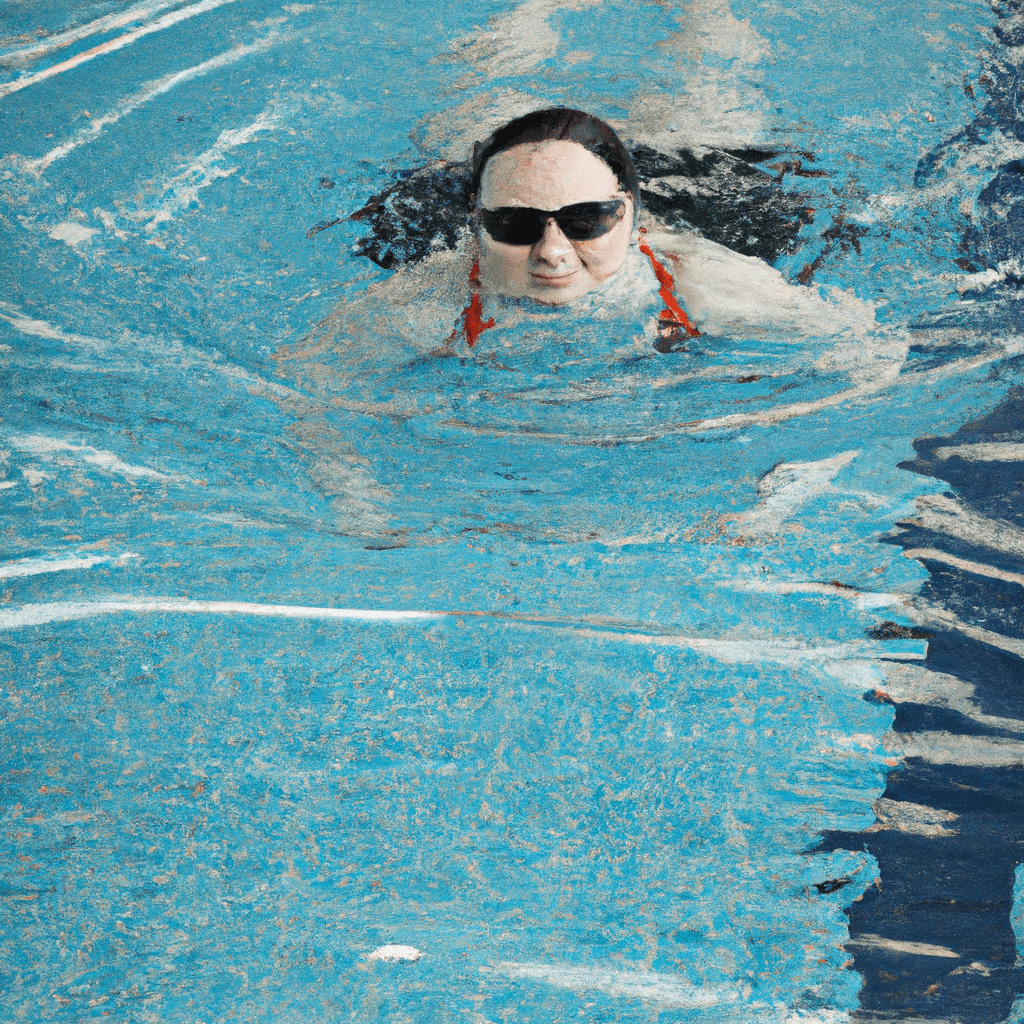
[[548, 176]]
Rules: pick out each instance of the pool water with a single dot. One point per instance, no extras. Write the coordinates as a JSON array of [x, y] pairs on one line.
[[585, 674]]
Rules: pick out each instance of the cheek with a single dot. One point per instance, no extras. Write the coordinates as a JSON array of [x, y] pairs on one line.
[[507, 258], [603, 256]]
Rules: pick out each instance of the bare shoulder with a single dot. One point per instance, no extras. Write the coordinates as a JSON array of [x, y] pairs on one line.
[[728, 292]]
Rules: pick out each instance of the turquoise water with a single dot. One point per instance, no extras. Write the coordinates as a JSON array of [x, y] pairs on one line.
[[587, 778]]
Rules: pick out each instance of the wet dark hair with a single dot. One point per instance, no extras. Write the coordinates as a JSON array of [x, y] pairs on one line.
[[562, 124]]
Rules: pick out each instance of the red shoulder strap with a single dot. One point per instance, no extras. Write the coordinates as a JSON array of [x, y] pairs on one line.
[[672, 312], [471, 319], [473, 324]]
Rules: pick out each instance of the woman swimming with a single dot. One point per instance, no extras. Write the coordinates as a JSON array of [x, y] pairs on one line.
[[555, 197], [539, 242]]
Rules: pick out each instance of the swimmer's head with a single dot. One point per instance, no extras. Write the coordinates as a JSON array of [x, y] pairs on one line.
[[555, 192]]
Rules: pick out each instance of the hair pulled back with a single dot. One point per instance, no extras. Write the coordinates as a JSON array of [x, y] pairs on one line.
[[561, 124]]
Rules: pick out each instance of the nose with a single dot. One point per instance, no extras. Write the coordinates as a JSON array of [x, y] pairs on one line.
[[553, 248]]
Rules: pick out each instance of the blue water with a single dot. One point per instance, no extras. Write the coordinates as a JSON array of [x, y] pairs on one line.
[[589, 783]]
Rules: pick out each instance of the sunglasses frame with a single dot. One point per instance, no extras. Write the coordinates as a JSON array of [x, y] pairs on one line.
[[607, 213]]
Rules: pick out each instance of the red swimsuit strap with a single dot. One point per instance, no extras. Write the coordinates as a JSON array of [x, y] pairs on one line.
[[472, 321], [473, 324], [673, 312]]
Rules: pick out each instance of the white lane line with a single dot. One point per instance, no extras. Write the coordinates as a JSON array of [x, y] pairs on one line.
[[108, 23], [149, 92], [869, 941], [728, 651], [127, 39], [977, 568], [663, 989], [39, 566], [68, 611]]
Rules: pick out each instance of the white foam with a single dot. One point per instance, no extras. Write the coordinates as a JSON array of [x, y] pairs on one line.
[[37, 444], [394, 954], [512, 43], [789, 486], [767, 417], [72, 232], [42, 329], [721, 104], [730, 294], [182, 189], [34, 477]]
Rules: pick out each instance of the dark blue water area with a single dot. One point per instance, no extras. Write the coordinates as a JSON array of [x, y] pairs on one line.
[[954, 890]]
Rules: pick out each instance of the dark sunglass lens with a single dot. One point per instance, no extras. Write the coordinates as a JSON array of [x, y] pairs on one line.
[[580, 228], [512, 225], [515, 225], [584, 221]]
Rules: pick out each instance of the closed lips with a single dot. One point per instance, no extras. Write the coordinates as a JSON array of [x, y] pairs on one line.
[[554, 279]]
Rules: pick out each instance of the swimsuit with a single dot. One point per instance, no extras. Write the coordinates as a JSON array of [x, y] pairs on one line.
[[671, 320]]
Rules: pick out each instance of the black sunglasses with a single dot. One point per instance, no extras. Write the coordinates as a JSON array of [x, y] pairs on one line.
[[522, 225]]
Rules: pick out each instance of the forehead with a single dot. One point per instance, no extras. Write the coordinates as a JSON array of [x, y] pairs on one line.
[[547, 176]]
